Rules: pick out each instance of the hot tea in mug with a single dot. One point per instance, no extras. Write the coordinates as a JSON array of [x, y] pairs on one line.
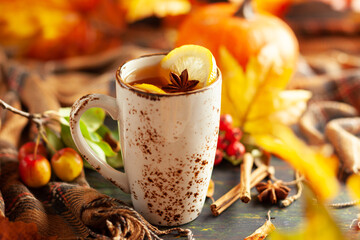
[[168, 110]]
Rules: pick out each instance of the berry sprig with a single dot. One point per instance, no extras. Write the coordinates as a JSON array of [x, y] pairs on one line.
[[229, 146]]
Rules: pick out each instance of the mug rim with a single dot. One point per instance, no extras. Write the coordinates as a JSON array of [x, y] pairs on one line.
[[122, 84]]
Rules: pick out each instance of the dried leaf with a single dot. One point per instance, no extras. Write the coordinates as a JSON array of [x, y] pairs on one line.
[[319, 225], [263, 231], [140, 9], [211, 189]]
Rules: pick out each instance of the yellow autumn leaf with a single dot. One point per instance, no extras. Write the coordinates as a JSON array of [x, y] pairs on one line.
[[140, 9], [260, 105], [353, 184], [292, 104], [319, 170], [257, 95], [318, 225]]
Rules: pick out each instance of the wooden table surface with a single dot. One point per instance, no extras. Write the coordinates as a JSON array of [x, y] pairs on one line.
[[240, 220]]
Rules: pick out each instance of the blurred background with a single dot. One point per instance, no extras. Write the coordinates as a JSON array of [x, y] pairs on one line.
[[53, 52], [61, 29]]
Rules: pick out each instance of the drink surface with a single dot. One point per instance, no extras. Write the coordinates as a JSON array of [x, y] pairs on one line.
[[149, 80], [156, 81], [147, 75], [187, 68]]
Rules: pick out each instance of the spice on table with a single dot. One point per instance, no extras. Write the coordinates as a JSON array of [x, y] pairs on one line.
[[263, 231], [272, 192], [289, 200], [245, 176], [231, 196]]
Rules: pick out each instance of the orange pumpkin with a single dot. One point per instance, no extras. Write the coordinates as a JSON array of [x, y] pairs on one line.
[[243, 32], [276, 7]]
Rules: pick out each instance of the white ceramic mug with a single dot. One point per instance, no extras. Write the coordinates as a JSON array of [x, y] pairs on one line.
[[168, 144]]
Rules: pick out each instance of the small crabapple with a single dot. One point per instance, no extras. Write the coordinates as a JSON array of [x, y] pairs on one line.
[[29, 148], [34, 171], [67, 164]]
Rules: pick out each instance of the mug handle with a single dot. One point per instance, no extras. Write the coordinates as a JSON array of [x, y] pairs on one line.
[[80, 106]]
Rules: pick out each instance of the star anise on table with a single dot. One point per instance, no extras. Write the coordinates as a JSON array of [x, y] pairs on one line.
[[180, 83], [272, 192]]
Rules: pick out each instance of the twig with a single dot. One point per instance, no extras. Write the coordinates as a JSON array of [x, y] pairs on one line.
[[268, 215], [289, 200], [344, 204], [36, 118], [294, 182], [42, 133]]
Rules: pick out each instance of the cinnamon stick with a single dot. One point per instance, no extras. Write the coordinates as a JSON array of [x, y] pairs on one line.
[[231, 196], [245, 180]]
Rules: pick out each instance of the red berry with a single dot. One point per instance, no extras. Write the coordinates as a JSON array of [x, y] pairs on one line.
[[226, 122], [218, 157], [222, 142], [233, 134], [236, 149]]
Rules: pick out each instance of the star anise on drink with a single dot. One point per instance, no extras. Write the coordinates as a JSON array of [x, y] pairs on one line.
[[180, 83], [272, 192]]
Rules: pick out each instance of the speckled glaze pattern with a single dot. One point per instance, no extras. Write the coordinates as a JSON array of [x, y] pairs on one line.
[[168, 144]]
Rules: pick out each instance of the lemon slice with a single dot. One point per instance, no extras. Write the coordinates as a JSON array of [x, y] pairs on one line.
[[149, 88], [198, 60]]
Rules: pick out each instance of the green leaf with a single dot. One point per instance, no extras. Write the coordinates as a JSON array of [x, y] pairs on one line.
[[65, 112], [66, 137], [97, 149], [234, 161], [87, 165], [93, 118], [93, 130], [84, 130], [94, 136], [53, 140], [116, 161], [106, 148], [102, 130], [64, 116]]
